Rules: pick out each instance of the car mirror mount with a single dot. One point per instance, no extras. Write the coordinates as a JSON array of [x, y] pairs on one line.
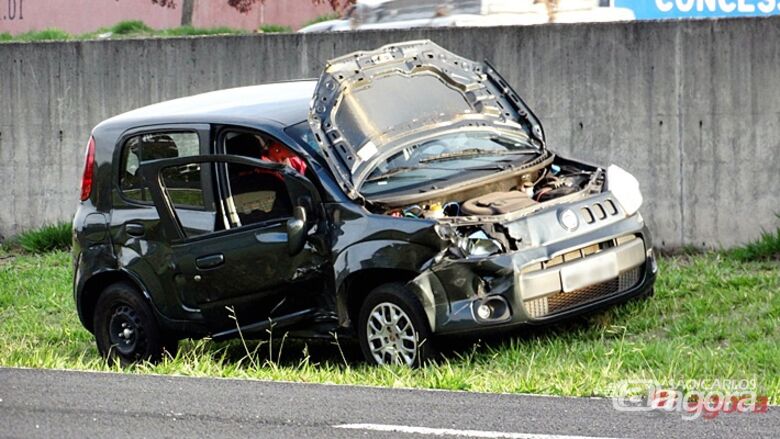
[[296, 230]]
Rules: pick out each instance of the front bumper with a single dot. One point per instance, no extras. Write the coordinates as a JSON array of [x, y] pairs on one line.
[[566, 274]]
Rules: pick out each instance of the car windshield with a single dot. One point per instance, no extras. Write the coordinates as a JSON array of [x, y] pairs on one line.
[[302, 133], [451, 157]]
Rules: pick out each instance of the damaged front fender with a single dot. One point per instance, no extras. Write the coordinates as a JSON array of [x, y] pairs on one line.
[[449, 288], [550, 280]]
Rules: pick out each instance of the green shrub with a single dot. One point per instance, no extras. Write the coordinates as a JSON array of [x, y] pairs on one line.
[[765, 247], [130, 27], [44, 35], [274, 28], [5, 36], [191, 31], [46, 238]]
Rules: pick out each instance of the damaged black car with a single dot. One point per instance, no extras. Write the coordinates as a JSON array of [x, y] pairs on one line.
[[408, 193]]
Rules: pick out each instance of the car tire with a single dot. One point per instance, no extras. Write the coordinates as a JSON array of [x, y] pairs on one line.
[[398, 331], [126, 329]]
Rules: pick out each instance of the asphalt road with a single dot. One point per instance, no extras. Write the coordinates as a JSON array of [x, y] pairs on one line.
[[45, 403]]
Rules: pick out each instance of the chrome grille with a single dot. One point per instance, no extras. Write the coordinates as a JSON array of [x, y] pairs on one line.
[[561, 301]]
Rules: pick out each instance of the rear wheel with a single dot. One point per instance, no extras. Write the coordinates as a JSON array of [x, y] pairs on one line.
[[393, 329], [126, 330]]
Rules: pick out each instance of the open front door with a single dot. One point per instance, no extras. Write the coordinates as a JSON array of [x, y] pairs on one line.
[[261, 259]]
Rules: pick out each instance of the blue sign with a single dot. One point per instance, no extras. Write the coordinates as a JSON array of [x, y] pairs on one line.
[[660, 9]]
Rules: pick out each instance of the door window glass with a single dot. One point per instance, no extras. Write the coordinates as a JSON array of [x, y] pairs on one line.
[[147, 147], [183, 185]]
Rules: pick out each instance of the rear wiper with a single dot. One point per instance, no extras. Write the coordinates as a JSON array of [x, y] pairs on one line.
[[474, 152]]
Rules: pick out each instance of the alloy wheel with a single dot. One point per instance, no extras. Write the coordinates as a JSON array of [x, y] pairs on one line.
[[392, 337]]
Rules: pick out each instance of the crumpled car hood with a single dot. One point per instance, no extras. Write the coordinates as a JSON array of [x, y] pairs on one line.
[[368, 105]]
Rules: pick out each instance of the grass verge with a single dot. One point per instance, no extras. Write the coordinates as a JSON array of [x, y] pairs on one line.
[[766, 247], [130, 27], [135, 29], [713, 317], [274, 28], [43, 35], [186, 31]]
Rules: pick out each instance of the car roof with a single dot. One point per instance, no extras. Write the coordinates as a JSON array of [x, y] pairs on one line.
[[279, 103]]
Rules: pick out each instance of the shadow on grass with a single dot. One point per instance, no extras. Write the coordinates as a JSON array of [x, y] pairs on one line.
[[291, 352]]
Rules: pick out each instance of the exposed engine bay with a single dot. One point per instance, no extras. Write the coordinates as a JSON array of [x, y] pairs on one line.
[[473, 216], [513, 194]]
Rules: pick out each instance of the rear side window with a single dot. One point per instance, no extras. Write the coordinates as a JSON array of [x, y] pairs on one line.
[[152, 146]]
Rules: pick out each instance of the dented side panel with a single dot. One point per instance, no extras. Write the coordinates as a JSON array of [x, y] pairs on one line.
[[362, 241]]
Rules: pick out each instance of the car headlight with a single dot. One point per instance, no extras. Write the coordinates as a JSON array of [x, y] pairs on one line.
[[479, 244], [444, 231], [625, 188]]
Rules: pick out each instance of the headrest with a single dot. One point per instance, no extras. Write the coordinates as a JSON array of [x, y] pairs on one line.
[[247, 145], [159, 147]]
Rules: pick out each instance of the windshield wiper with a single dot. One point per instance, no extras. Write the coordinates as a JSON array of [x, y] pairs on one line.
[[402, 169], [394, 171], [512, 144], [475, 152]]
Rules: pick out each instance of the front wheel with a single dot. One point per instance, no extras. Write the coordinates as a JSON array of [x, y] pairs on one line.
[[392, 328], [126, 330]]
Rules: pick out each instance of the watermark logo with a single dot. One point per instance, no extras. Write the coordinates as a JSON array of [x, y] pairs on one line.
[[711, 398]]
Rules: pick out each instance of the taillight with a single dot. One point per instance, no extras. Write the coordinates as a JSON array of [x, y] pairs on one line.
[[89, 170]]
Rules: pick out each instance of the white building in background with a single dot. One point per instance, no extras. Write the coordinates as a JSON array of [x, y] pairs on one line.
[[402, 14]]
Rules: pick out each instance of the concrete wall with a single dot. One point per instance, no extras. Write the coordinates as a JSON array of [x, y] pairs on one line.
[[691, 108]]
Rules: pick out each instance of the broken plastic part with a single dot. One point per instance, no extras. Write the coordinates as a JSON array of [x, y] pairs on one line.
[[479, 244]]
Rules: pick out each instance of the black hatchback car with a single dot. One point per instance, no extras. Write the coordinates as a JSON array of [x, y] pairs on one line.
[[408, 193]]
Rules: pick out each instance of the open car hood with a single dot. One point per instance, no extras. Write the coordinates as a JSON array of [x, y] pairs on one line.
[[368, 105]]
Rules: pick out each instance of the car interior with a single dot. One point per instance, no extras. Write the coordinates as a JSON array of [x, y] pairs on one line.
[[255, 194]]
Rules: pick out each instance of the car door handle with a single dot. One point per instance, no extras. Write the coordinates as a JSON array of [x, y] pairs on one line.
[[135, 229], [210, 261]]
